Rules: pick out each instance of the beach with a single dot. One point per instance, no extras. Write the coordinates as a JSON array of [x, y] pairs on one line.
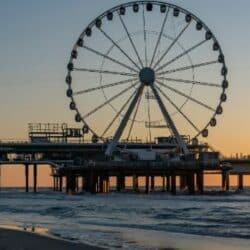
[[18, 240]]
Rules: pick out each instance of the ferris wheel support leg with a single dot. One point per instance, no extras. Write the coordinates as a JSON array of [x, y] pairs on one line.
[[170, 122], [112, 145]]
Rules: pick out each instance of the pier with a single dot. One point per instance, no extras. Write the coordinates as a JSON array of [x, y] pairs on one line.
[[82, 167]]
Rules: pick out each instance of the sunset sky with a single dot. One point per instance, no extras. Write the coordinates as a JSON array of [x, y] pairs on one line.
[[37, 37]]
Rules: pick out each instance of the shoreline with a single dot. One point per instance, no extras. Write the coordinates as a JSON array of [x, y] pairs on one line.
[[15, 239]]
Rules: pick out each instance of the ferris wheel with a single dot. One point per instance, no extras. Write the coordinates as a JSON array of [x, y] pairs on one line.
[[146, 69]]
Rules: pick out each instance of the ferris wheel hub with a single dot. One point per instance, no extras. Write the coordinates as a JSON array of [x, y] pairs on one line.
[[147, 76]]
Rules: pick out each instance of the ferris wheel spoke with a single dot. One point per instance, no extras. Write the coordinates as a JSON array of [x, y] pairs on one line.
[[118, 47], [109, 58], [169, 121], [103, 87], [187, 67], [134, 117], [178, 109], [159, 38], [105, 72], [186, 96], [145, 36], [109, 101], [149, 117], [130, 39], [181, 55], [190, 82], [117, 115], [112, 145], [171, 45]]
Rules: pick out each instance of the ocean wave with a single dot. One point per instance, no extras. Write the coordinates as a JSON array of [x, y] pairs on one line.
[[223, 216]]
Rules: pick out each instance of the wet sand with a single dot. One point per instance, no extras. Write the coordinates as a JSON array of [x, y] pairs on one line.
[[18, 240], [177, 241]]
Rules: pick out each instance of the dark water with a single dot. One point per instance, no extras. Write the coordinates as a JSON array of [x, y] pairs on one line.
[[100, 219]]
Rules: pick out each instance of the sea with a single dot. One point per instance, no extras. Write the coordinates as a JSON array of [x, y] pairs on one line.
[[133, 221]]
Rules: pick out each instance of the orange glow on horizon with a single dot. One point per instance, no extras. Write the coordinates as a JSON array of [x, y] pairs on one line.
[[14, 176]]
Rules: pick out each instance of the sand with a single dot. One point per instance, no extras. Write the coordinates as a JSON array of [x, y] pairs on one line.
[[18, 240]]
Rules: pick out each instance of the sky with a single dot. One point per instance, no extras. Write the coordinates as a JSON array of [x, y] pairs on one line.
[[37, 37]]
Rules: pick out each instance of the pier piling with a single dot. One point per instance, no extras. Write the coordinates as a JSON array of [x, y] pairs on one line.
[[173, 184], [60, 183], [71, 183], [190, 183], [152, 186], [27, 178], [183, 181], [35, 177], [163, 183], [118, 183], [93, 183], [200, 181], [106, 184], [135, 183], [240, 182], [147, 184], [101, 184], [225, 181], [54, 183], [168, 183]]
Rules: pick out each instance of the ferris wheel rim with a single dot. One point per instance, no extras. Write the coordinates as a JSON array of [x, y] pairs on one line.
[[172, 6]]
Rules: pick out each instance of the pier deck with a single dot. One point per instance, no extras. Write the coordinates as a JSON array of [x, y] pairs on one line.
[[71, 161]]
